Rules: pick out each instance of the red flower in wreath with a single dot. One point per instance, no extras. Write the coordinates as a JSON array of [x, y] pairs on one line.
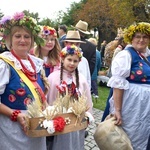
[[59, 124]]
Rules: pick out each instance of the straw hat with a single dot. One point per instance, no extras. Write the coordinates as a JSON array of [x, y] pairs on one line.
[[73, 36], [82, 27]]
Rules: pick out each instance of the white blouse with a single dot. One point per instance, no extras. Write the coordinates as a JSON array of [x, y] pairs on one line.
[[5, 69], [121, 66]]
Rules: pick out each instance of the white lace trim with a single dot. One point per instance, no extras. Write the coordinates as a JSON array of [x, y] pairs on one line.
[[37, 62]]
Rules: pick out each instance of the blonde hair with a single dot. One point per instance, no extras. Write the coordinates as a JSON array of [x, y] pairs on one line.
[[53, 55], [93, 41], [14, 29]]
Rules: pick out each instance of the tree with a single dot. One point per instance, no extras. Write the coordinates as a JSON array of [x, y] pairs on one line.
[[1, 14], [106, 16]]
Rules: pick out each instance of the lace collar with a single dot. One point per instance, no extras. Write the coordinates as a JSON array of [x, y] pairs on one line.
[[37, 61]]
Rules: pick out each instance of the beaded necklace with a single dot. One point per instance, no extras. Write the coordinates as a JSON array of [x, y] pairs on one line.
[[31, 75]]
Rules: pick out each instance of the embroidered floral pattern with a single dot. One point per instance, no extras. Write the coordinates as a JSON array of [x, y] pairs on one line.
[[138, 73], [20, 92], [11, 98], [27, 101]]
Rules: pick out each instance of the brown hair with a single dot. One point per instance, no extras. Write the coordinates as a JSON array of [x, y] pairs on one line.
[[53, 55], [14, 29]]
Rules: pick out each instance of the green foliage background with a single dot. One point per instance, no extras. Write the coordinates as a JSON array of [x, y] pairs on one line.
[[100, 103]]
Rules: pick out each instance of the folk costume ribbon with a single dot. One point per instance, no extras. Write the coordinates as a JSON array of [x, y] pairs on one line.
[[33, 86]]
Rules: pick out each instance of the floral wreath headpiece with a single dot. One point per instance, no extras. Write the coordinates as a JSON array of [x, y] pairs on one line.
[[19, 19], [142, 27], [71, 50], [46, 30]]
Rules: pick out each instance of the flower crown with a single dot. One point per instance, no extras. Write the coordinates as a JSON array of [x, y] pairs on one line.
[[142, 27], [71, 50], [46, 30], [19, 19]]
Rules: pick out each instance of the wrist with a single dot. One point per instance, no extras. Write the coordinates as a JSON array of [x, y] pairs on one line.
[[14, 115]]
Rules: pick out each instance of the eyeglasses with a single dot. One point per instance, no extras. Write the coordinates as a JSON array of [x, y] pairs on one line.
[[139, 37]]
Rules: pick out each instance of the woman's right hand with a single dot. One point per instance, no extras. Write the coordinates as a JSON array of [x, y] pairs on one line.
[[118, 117]]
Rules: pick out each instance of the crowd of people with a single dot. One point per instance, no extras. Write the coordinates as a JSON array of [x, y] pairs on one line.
[[35, 60]]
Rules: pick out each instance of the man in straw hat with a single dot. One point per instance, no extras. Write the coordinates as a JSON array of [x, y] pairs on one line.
[[73, 37], [89, 49]]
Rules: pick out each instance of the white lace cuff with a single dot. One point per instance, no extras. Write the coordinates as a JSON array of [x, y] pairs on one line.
[[118, 82]]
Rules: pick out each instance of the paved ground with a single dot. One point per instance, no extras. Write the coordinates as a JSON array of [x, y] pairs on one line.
[[89, 141]]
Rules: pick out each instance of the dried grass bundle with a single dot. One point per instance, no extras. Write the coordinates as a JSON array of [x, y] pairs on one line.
[[34, 109], [62, 104], [50, 112], [79, 106]]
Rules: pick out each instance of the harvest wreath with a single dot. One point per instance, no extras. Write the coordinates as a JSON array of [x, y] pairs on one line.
[[63, 117]]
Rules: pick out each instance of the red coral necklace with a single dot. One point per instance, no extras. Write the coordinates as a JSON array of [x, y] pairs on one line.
[[31, 75]]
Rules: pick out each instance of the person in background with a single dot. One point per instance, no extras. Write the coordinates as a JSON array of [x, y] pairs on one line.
[[62, 31], [120, 46], [88, 48], [3, 47], [77, 85], [73, 37], [103, 45], [94, 85], [50, 51], [22, 81], [130, 102]]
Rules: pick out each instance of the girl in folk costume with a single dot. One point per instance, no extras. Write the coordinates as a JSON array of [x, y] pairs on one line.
[[77, 85], [22, 81], [50, 51]]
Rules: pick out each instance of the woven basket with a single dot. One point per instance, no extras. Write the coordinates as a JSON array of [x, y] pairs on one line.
[[76, 124]]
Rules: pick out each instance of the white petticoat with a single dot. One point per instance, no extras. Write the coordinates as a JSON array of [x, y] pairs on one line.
[[12, 137], [136, 114]]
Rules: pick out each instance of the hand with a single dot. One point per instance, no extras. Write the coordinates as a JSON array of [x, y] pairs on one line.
[[21, 118], [91, 118], [118, 117]]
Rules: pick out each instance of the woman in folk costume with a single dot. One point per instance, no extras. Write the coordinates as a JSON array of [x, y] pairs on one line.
[[22, 81], [77, 85], [130, 102], [50, 52]]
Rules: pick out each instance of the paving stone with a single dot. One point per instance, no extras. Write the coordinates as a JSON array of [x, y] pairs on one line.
[[90, 143]]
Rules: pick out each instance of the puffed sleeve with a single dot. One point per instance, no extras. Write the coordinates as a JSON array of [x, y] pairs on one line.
[[120, 69], [4, 76]]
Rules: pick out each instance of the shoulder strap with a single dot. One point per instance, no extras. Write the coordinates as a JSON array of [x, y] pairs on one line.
[[30, 85]]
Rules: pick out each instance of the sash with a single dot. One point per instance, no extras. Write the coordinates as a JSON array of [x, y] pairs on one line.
[[32, 86]]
